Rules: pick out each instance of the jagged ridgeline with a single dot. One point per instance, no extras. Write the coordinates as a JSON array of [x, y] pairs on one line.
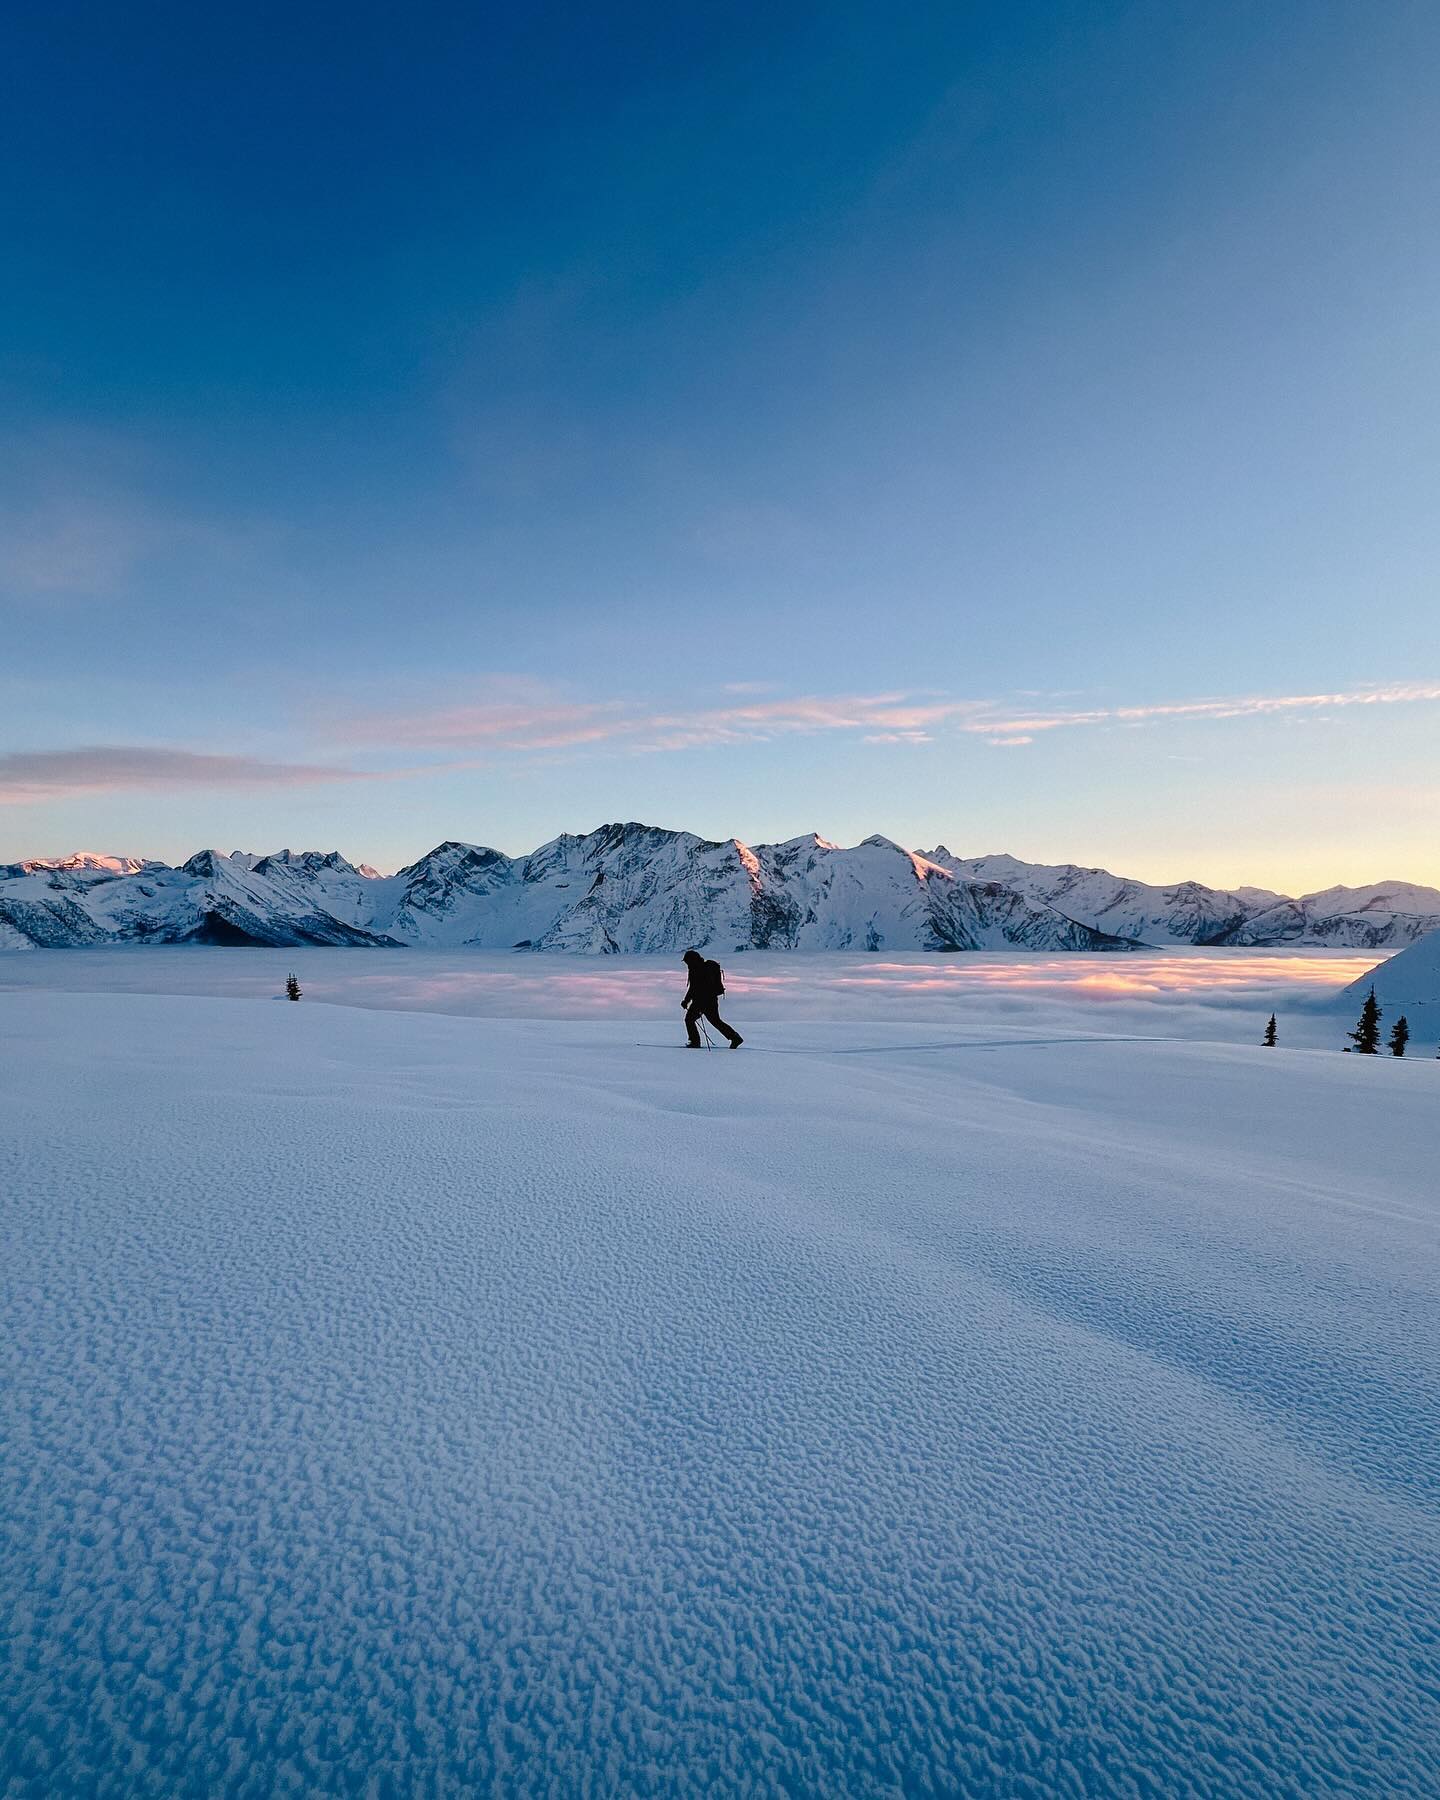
[[636, 888]]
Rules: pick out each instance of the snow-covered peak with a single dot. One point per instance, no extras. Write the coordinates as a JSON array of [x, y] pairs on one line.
[[1378, 896], [453, 855], [91, 862], [635, 839], [313, 862], [809, 840], [212, 862]]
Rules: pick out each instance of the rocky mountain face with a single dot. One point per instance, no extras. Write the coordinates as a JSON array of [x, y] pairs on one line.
[[635, 888]]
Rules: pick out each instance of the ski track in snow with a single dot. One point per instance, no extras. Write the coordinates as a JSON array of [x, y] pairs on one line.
[[405, 1404]]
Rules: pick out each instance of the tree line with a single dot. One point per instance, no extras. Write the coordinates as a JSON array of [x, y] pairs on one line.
[[1365, 1038]]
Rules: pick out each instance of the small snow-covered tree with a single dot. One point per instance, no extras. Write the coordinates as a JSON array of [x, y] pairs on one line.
[[1366, 1035], [1399, 1036], [1269, 1039], [292, 988]]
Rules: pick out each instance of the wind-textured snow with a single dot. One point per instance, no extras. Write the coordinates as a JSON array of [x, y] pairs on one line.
[[626, 889], [425, 1405]]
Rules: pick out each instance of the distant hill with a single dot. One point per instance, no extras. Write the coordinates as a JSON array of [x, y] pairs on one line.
[[1408, 983]]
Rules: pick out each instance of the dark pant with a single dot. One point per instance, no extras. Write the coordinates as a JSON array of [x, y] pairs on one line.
[[708, 1010]]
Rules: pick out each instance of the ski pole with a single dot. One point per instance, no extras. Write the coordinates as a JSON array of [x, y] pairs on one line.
[[704, 1032]]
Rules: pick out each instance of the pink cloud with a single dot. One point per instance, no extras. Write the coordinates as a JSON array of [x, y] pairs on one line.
[[498, 725], [32, 775], [540, 721], [550, 724]]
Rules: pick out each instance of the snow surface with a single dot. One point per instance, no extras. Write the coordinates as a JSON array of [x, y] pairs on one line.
[[407, 1403]]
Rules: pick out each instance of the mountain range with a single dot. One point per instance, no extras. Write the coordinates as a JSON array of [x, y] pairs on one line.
[[637, 888]]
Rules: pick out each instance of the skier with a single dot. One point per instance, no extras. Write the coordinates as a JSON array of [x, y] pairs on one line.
[[702, 1000]]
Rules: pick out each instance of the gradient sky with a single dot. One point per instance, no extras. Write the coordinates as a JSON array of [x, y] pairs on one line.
[[1008, 425]]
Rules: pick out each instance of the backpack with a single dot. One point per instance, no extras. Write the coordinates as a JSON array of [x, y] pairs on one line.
[[713, 968]]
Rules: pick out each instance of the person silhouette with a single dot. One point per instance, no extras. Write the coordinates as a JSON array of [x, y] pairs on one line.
[[702, 1000]]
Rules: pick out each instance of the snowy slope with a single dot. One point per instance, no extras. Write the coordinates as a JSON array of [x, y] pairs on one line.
[[419, 1405], [1408, 983], [637, 888]]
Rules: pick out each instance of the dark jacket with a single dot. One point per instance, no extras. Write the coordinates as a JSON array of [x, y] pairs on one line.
[[707, 983]]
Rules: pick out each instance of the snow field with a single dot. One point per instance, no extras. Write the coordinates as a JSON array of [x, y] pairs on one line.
[[399, 1403]]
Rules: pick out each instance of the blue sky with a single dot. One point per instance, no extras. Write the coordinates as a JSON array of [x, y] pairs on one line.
[[1006, 425]]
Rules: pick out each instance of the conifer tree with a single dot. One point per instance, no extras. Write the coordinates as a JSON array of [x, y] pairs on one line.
[[1269, 1039], [1366, 1035], [1399, 1036], [292, 988]]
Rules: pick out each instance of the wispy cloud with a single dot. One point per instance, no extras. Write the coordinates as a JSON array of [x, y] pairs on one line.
[[521, 719], [552, 724], [543, 721], [27, 776], [1011, 727]]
